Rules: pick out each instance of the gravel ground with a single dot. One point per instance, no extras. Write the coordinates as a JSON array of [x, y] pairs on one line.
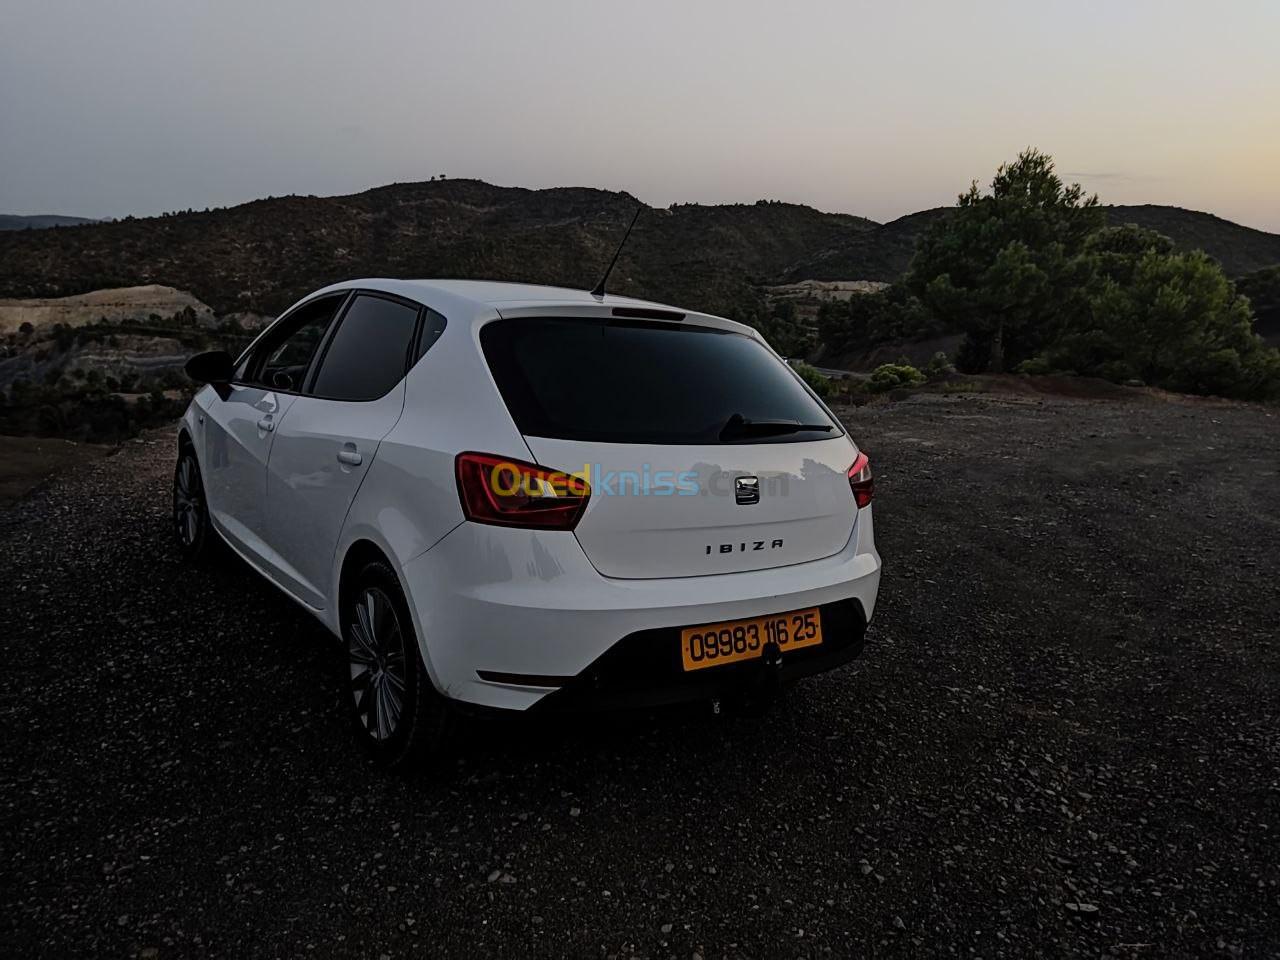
[[1063, 738]]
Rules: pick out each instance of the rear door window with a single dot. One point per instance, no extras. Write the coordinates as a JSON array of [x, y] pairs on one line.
[[370, 351], [633, 382]]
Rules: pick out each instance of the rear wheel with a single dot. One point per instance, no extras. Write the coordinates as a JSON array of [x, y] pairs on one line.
[[398, 716], [190, 508]]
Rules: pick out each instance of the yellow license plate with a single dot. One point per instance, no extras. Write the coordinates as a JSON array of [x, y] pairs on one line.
[[715, 644]]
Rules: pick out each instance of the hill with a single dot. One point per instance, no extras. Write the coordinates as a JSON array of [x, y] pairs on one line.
[[129, 303], [885, 252], [10, 221], [261, 256], [880, 254], [1239, 249]]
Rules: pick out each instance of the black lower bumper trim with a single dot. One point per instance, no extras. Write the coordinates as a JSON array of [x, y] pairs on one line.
[[644, 669]]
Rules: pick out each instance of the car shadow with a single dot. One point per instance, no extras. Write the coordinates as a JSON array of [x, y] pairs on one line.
[[493, 744]]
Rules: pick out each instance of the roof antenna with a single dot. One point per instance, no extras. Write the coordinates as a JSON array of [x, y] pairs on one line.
[[598, 289]]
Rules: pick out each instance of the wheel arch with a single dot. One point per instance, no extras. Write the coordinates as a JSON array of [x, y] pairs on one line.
[[364, 549], [359, 553]]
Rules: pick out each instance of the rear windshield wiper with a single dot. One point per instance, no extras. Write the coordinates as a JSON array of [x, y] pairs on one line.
[[739, 426]]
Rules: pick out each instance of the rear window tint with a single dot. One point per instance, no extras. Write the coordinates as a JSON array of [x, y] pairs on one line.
[[368, 353], [630, 382]]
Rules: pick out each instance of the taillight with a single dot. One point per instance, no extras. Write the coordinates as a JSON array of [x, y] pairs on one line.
[[860, 482], [511, 493]]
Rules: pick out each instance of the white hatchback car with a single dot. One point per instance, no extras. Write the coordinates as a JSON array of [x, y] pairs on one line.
[[526, 497]]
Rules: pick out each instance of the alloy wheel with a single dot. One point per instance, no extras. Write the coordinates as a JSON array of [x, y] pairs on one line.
[[188, 501], [375, 650]]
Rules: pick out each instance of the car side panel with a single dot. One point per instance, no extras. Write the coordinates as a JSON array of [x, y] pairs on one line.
[[238, 432], [309, 488], [409, 500]]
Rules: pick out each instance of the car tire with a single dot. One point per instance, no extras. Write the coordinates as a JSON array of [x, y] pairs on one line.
[[400, 719], [191, 526]]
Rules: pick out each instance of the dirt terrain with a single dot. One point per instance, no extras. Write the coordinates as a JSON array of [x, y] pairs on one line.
[[1063, 739], [121, 303], [27, 461]]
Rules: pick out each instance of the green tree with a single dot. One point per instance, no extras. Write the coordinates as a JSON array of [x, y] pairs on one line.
[[1085, 346], [1006, 268], [866, 319], [782, 327], [1263, 290], [1172, 320], [1116, 250]]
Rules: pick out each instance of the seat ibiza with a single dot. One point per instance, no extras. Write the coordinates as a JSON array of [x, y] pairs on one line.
[[531, 498]]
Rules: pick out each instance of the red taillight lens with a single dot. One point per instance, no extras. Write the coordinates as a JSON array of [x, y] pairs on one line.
[[511, 493], [860, 482]]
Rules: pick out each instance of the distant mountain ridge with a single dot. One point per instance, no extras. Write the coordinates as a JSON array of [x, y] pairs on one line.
[[261, 256], [41, 221], [885, 252], [1239, 249]]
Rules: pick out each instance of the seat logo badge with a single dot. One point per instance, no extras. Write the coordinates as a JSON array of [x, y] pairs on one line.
[[746, 489]]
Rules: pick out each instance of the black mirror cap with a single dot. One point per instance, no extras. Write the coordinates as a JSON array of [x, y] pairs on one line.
[[215, 366]]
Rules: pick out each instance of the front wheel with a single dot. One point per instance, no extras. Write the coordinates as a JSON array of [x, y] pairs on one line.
[[190, 507], [398, 716]]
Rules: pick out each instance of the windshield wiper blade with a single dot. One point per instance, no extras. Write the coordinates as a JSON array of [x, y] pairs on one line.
[[739, 426]]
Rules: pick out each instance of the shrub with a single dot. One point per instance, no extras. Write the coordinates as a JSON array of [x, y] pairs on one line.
[[939, 366], [1035, 367], [817, 382], [890, 375]]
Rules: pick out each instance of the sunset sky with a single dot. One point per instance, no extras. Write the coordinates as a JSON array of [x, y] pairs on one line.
[[877, 109]]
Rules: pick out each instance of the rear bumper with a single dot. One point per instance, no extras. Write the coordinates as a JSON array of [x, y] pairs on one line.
[[511, 618], [644, 670]]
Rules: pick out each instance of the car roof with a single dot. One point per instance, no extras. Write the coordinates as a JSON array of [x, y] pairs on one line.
[[495, 292], [515, 299]]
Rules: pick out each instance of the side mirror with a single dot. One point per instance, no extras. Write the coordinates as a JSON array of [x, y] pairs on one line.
[[216, 366]]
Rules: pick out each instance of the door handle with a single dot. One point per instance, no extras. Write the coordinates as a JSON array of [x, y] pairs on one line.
[[266, 423], [350, 456]]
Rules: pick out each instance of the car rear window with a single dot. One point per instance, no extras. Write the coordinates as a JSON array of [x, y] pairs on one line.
[[634, 382]]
